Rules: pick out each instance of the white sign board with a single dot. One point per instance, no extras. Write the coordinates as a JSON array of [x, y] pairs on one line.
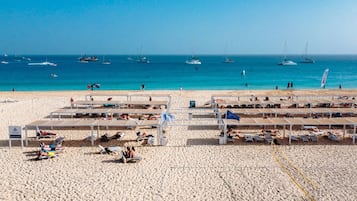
[[15, 134]]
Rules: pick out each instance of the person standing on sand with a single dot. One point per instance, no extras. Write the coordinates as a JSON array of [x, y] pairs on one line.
[[142, 86], [88, 87], [72, 101]]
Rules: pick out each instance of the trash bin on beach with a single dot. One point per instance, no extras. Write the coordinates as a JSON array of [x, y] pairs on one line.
[[192, 103], [151, 141], [163, 140], [190, 116], [222, 139]]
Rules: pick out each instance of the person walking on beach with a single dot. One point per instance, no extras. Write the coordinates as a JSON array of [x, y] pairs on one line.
[[88, 87], [142, 87], [72, 101]]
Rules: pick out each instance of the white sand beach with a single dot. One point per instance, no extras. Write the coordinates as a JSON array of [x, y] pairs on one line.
[[192, 166]]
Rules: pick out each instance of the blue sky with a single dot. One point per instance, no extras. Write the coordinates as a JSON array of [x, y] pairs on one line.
[[178, 27]]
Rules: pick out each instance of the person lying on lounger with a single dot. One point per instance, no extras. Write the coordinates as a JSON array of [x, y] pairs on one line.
[[45, 155], [51, 147], [152, 117], [119, 135], [105, 138], [142, 136], [44, 134]]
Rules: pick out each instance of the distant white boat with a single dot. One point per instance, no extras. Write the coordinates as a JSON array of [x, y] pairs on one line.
[[86, 59], [285, 61], [106, 62], [193, 61], [306, 59], [54, 75], [228, 60], [143, 60], [25, 58], [4, 62], [45, 63]]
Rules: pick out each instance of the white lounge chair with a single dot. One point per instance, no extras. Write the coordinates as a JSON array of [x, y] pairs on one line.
[[268, 138], [333, 137], [230, 138], [313, 137], [294, 138], [248, 138], [304, 138], [108, 150], [134, 159], [102, 149], [257, 138]]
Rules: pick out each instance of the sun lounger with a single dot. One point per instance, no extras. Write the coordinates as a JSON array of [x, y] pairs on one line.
[[294, 138], [268, 138], [248, 138], [333, 137], [110, 150], [230, 138], [104, 138], [118, 136], [133, 160], [51, 147], [304, 138], [257, 138], [313, 137], [58, 141]]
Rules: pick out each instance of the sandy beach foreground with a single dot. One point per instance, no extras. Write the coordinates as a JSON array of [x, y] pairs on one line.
[[192, 166]]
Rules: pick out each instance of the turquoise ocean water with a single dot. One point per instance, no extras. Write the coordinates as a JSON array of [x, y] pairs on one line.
[[171, 72]]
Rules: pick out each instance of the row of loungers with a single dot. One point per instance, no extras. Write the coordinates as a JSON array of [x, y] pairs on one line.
[[253, 138], [268, 137]]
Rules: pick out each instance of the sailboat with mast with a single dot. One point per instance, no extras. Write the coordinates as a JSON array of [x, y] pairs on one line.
[[286, 61], [227, 60], [106, 62], [307, 60], [142, 59]]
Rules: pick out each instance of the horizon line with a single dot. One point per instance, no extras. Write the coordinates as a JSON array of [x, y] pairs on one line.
[[162, 54]]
